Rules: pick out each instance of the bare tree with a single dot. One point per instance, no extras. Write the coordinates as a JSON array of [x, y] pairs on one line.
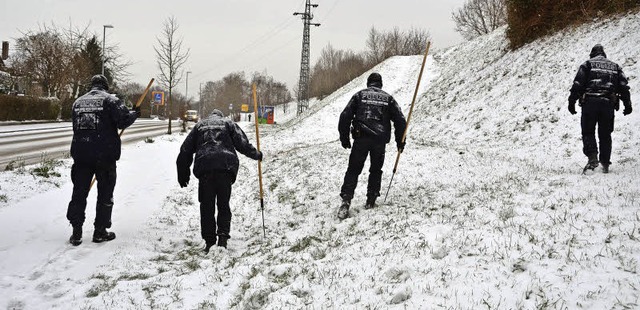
[[46, 59], [335, 68], [170, 58], [374, 44], [62, 60], [382, 45], [479, 17]]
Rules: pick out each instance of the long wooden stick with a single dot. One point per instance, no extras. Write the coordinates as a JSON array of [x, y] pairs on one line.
[[144, 94], [255, 116], [406, 129]]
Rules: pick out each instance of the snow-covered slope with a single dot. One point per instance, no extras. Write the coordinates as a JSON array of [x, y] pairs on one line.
[[487, 210]]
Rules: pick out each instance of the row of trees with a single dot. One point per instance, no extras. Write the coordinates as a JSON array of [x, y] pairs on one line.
[[335, 67], [60, 62], [233, 90], [226, 94]]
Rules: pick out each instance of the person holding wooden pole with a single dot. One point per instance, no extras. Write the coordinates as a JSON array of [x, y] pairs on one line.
[[214, 141], [95, 148], [368, 116]]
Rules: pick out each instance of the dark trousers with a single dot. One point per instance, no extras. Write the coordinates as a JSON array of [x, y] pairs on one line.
[[81, 176], [597, 111], [211, 187], [361, 148]]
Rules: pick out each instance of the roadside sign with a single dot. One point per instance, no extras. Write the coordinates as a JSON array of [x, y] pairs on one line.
[[158, 97], [265, 114], [244, 108]]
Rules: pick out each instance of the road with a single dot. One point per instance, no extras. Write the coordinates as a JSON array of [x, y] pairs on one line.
[[28, 144]]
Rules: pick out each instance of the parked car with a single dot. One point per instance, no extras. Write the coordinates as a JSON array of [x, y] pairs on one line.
[[191, 116]]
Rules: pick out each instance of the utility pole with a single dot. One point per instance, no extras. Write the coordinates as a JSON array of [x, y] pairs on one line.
[[104, 33], [303, 83], [200, 104], [186, 90]]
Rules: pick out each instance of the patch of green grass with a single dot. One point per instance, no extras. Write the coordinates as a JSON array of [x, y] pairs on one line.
[[207, 305], [102, 286], [192, 264], [304, 243], [135, 276], [14, 164], [46, 168], [160, 258]]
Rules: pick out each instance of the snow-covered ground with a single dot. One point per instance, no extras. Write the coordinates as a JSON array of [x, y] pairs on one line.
[[488, 208]]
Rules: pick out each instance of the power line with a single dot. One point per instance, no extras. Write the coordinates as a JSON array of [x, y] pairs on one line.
[[333, 6], [263, 38]]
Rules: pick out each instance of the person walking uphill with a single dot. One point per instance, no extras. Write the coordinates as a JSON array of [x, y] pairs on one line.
[[599, 85], [214, 140], [368, 116], [95, 148]]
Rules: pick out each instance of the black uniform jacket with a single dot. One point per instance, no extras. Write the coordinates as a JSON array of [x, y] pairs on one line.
[[214, 140], [97, 116]]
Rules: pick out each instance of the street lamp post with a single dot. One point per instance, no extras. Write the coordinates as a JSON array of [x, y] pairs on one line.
[[186, 91], [201, 103], [104, 32]]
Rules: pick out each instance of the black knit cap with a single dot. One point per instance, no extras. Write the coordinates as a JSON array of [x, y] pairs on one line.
[[100, 81], [374, 79], [597, 50]]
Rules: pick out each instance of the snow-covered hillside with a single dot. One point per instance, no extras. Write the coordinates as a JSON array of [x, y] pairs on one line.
[[488, 208]]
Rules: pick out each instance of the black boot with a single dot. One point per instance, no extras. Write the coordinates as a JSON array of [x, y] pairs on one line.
[[343, 212], [371, 202], [208, 246], [592, 163], [102, 235], [605, 168], [76, 236], [222, 241]]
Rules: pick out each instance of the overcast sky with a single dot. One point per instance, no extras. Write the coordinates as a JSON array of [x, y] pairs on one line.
[[226, 36]]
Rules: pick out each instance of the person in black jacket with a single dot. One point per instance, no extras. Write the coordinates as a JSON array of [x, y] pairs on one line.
[[368, 116], [214, 140], [95, 148], [599, 85]]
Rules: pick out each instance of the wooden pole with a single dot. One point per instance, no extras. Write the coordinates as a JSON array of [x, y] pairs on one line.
[[255, 116], [406, 129], [144, 94]]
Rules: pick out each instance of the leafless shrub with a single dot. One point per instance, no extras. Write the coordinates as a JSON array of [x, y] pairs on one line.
[[478, 17]]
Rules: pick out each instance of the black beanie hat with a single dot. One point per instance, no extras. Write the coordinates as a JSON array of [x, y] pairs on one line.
[[597, 50], [374, 79], [100, 80]]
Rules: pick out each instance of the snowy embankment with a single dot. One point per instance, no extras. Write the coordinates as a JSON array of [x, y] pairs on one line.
[[487, 209]]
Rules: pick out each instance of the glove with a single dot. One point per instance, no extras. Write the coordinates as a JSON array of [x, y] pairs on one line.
[[572, 107], [259, 157], [184, 182], [346, 143], [627, 110], [137, 110], [401, 146], [183, 178]]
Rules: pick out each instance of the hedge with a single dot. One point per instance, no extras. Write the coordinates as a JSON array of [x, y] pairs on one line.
[[20, 108], [532, 19]]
